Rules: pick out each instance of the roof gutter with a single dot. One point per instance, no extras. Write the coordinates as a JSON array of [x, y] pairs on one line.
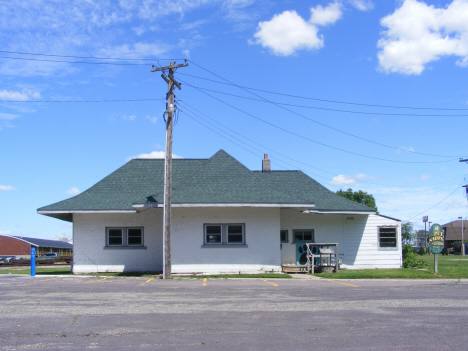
[[49, 212], [341, 212], [239, 204]]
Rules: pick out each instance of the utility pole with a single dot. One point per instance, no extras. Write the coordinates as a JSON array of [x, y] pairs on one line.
[[168, 163]]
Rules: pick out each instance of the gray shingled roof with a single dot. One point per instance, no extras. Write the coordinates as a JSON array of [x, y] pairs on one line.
[[219, 179]]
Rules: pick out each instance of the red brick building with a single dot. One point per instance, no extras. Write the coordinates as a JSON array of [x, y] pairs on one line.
[[21, 246]]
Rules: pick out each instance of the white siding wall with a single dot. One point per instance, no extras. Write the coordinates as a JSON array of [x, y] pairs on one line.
[[362, 245], [89, 239], [261, 235], [327, 228], [357, 238], [261, 232]]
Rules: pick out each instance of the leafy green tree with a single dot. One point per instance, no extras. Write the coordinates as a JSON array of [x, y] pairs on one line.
[[360, 197], [407, 232], [420, 237], [422, 250]]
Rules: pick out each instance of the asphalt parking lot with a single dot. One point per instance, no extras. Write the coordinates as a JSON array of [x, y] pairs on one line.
[[69, 312]]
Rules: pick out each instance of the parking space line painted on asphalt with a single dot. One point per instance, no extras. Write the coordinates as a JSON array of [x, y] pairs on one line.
[[100, 280], [51, 279], [271, 283], [332, 281], [204, 281], [150, 279]]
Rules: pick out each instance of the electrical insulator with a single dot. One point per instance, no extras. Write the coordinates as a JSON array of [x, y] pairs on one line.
[[170, 108]]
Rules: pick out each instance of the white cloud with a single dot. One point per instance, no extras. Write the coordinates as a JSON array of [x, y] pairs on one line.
[[5, 119], [23, 95], [135, 50], [129, 118], [154, 154], [186, 53], [323, 16], [406, 149], [288, 32], [7, 188], [426, 176], [418, 34], [455, 205], [362, 5], [347, 180], [5, 232], [152, 119], [73, 191], [192, 25], [7, 116]]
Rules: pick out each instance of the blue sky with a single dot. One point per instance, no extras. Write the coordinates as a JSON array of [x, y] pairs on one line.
[[358, 94]]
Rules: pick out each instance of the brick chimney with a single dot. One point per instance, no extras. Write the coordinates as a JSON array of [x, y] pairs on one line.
[[266, 164]]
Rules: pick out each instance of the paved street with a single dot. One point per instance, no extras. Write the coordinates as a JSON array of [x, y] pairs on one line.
[[44, 313]]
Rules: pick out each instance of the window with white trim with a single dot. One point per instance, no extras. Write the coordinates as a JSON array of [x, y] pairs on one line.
[[284, 235], [124, 237], [388, 237], [224, 234], [303, 236]]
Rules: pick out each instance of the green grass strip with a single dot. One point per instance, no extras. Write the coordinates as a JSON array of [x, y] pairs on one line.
[[449, 267]]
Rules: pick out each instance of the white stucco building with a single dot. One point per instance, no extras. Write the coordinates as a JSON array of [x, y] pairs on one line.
[[225, 219]]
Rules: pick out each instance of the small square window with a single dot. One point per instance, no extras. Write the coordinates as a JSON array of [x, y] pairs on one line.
[[304, 235], [235, 234], [213, 234], [284, 235], [134, 236], [115, 237], [388, 237]]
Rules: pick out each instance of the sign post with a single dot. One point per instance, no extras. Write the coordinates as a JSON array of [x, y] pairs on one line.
[[425, 219], [436, 243], [33, 261]]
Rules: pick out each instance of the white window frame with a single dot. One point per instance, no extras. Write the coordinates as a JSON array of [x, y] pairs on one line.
[[125, 238], [396, 238], [294, 231], [224, 234]]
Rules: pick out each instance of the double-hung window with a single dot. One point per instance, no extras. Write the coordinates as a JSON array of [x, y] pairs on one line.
[[126, 237], [388, 237], [224, 234], [303, 235]]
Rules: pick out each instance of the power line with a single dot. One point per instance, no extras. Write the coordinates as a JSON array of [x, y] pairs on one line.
[[458, 186], [330, 127], [322, 124], [89, 57], [324, 100], [81, 101], [314, 141], [328, 109], [212, 80], [79, 62], [250, 140], [191, 108]]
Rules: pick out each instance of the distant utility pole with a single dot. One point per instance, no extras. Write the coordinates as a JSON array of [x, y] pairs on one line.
[[168, 163]]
